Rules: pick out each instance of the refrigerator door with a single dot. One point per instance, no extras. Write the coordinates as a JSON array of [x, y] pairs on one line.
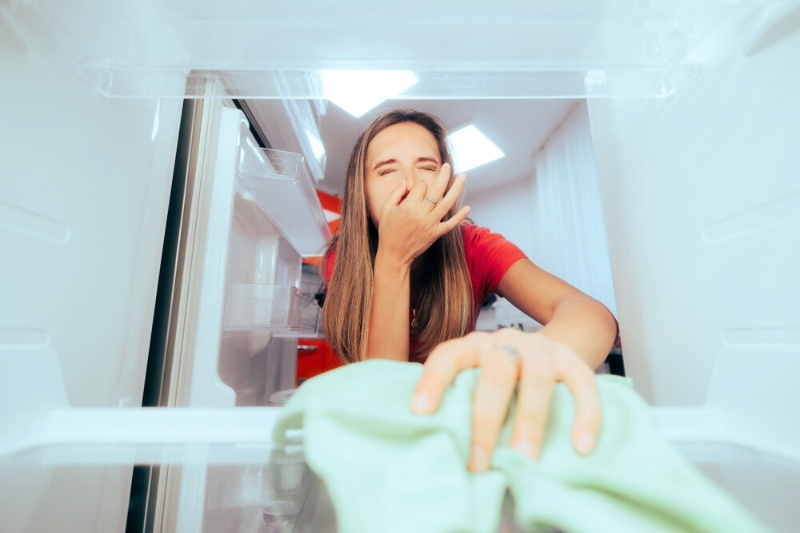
[[84, 190], [236, 302]]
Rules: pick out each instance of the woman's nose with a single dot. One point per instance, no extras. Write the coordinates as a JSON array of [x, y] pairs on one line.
[[410, 179]]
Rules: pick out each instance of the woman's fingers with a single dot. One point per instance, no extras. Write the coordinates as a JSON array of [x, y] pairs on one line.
[[440, 369], [436, 197], [506, 357], [438, 189], [453, 221], [499, 374], [550, 364], [419, 213], [396, 196], [444, 205], [445, 201], [435, 189], [450, 199], [537, 380], [580, 380], [490, 405]]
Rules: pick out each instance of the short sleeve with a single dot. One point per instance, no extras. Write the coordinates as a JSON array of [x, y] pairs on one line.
[[489, 256]]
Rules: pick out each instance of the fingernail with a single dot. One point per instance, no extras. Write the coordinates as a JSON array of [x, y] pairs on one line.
[[525, 446], [584, 443], [420, 402], [478, 460]]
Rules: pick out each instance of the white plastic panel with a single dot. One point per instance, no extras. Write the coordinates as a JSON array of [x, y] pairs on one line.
[[702, 203], [768, 486], [85, 185], [57, 470], [217, 188], [84, 188], [473, 49]]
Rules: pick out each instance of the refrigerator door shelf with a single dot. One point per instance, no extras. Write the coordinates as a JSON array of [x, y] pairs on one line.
[[279, 183], [281, 309]]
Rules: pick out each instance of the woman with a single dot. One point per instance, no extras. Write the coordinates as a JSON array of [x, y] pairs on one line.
[[406, 275]]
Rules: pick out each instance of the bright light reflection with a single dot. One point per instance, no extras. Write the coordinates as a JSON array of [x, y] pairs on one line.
[[316, 145], [358, 91], [471, 148]]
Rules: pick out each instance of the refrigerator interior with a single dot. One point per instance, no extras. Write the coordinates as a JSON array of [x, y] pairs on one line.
[[694, 120]]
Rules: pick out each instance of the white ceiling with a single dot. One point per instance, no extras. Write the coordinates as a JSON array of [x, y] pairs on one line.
[[518, 127]]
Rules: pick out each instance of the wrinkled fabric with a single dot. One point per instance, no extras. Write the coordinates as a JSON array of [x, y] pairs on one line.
[[389, 470]]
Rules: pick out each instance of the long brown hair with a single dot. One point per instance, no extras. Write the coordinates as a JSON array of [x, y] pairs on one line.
[[444, 309]]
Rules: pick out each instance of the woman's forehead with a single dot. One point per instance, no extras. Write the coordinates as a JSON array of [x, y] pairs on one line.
[[402, 139]]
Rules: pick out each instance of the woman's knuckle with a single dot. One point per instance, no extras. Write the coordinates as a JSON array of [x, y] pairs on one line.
[[542, 369]]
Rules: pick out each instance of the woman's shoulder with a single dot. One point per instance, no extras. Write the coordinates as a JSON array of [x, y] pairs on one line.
[[488, 251], [471, 231], [476, 236]]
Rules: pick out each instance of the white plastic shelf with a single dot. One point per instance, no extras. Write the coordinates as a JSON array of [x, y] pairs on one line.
[[280, 309], [280, 185], [547, 49]]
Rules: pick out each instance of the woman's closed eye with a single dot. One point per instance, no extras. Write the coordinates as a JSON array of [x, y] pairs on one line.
[[385, 171]]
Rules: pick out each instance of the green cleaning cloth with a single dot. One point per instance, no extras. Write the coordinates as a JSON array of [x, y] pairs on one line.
[[388, 470]]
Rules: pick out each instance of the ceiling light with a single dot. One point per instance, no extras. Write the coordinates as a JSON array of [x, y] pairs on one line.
[[358, 91], [471, 148]]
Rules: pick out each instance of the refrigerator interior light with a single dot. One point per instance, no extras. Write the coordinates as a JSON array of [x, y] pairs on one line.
[[358, 91]]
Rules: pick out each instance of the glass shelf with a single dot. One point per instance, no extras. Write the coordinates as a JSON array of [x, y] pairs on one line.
[[584, 48]]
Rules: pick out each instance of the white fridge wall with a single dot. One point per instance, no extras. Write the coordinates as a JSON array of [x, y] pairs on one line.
[[702, 199], [83, 199], [85, 185]]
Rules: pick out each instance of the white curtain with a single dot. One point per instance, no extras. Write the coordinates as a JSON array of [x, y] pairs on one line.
[[569, 230]]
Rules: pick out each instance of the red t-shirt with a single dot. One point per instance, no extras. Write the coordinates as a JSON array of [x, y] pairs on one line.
[[489, 256]]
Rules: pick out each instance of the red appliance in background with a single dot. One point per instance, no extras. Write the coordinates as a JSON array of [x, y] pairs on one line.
[[315, 355]]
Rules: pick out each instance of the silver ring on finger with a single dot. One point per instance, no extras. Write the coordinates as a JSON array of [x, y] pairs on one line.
[[431, 200], [513, 353]]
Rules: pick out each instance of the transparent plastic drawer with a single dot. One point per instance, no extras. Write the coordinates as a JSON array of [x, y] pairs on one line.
[[279, 183], [281, 309]]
